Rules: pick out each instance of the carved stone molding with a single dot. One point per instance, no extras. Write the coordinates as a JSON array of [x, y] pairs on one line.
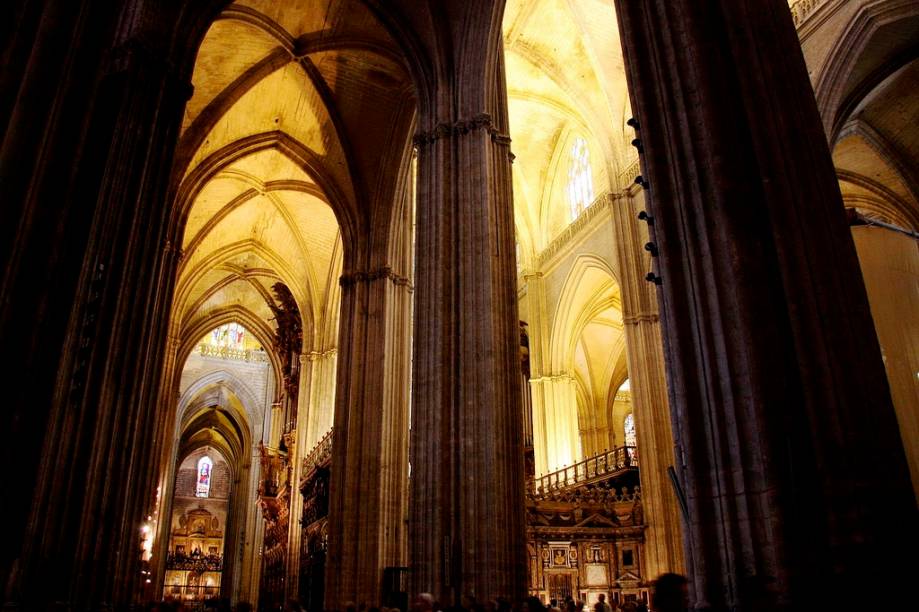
[[462, 127], [641, 317], [317, 355], [353, 278]]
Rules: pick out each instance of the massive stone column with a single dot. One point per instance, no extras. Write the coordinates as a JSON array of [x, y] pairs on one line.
[[663, 550], [369, 443], [51, 62], [93, 490], [787, 443], [466, 512]]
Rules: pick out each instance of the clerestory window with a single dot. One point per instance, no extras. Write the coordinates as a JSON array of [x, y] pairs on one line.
[[580, 182]]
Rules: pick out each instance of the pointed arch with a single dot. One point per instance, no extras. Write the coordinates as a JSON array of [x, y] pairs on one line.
[[589, 278], [346, 210], [196, 330], [836, 95]]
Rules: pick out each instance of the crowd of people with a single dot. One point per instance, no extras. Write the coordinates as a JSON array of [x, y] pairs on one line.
[[669, 594]]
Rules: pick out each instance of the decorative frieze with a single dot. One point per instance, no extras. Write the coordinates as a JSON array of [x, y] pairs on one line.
[[482, 121], [575, 229], [802, 9], [349, 279]]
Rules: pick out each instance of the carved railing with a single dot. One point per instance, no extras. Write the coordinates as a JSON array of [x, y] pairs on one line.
[[591, 470], [198, 563], [586, 216], [319, 455], [225, 352], [802, 9], [627, 176]]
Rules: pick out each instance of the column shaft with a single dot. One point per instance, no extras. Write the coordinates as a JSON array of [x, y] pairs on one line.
[[466, 511], [93, 491], [557, 440], [370, 443], [777, 388], [644, 354]]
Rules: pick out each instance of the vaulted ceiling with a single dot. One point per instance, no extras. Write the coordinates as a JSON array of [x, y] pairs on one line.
[[565, 79], [289, 152], [877, 154]]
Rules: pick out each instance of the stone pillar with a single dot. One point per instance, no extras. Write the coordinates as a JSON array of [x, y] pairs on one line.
[[556, 438], [787, 443], [663, 549], [466, 520], [93, 489], [52, 62], [370, 442], [556, 442], [304, 386], [322, 396], [890, 267]]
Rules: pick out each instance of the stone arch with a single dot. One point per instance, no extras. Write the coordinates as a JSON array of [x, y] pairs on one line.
[[220, 378], [344, 207], [197, 329], [569, 317], [836, 95], [222, 427]]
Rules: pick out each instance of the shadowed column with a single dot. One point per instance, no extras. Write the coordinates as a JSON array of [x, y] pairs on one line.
[[787, 444]]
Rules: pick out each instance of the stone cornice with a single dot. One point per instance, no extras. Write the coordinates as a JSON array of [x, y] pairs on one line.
[[628, 174], [552, 378], [565, 533], [317, 355], [385, 272], [482, 121]]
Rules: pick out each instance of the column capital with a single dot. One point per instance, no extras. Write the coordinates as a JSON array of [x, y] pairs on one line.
[[349, 279], [461, 127], [641, 317], [555, 377], [318, 355]]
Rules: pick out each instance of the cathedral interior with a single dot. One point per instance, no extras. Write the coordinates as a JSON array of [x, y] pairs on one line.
[[344, 301]]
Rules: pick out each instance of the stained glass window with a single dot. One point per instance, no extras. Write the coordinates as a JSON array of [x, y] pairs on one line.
[[230, 335], [203, 486], [580, 182], [630, 438]]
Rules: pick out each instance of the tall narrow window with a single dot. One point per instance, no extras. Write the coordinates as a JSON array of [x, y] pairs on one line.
[[203, 487], [630, 438], [580, 181]]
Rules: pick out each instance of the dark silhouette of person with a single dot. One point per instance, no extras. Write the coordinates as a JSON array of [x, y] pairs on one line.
[[671, 593]]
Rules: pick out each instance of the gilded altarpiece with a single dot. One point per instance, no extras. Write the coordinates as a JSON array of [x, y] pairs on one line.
[[585, 541]]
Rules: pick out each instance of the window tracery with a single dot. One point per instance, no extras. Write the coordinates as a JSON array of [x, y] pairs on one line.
[[580, 187], [203, 484], [229, 335]]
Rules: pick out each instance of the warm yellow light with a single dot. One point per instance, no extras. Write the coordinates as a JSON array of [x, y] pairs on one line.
[[146, 545]]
